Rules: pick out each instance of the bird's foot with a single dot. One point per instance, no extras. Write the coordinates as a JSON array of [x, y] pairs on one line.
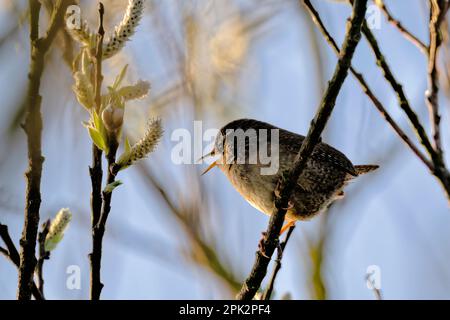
[[287, 226], [290, 205], [277, 191]]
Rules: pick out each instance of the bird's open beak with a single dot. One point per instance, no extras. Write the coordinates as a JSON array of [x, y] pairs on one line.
[[212, 165], [206, 156]]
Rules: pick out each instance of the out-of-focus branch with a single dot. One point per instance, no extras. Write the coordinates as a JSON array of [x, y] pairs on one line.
[[365, 87], [280, 250], [33, 130], [203, 252], [316, 253], [96, 171], [12, 254], [438, 9], [259, 270], [405, 32]]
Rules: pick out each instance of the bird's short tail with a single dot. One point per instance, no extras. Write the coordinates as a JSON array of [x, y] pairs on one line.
[[363, 169]]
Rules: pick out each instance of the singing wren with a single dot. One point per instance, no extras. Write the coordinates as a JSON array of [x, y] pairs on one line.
[[243, 148]]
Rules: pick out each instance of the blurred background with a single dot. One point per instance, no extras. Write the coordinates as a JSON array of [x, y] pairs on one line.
[[173, 234]]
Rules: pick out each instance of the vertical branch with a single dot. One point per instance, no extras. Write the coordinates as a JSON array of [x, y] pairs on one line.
[[33, 130], [111, 177], [43, 255], [99, 228], [353, 35], [96, 171]]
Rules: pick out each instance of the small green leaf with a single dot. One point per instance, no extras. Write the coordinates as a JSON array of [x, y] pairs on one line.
[[120, 77], [110, 187], [127, 145], [97, 139], [100, 127], [97, 120]]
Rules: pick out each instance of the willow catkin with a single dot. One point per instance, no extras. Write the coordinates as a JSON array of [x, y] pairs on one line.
[[136, 91], [125, 29], [57, 228], [144, 146]]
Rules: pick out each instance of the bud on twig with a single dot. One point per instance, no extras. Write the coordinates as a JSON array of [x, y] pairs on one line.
[[57, 228], [113, 118]]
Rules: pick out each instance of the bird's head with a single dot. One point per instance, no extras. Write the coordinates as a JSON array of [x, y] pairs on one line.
[[227, 145]]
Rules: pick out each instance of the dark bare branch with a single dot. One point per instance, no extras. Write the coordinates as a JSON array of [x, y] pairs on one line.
[[12, 254], [96, 171], [366, 89], [33, 130], [259, 270]]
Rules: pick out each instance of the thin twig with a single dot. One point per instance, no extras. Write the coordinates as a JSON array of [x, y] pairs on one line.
[[208, 256], [96, 171], [43, 255], [376, 291], [4, 252], [398, 89], [33, 130], [367, 90], [280, 251], [405, 32], [286, 186], [12, 254], [439, 169], [437, 14]]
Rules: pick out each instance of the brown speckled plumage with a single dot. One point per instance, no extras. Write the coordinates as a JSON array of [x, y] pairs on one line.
[[327, 172]]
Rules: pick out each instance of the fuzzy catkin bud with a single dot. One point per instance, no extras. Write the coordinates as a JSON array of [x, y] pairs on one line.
[[57, 228], [113, 118], [137, 91], [82, 35], [125, 29], [144, 146], [84, 90]]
